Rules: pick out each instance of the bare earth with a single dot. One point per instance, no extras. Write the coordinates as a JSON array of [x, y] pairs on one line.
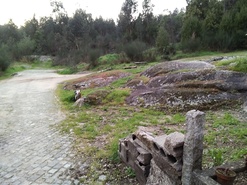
[[31, 150]]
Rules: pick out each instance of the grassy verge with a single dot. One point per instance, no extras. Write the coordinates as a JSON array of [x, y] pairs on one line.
[[206, 55], [21, 66], [237, 64], [98, 128]]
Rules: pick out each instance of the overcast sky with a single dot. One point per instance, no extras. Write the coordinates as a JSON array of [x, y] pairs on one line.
[[22, 10]]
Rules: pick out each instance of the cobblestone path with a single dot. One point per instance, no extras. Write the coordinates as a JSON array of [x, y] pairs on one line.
[[32, 151]]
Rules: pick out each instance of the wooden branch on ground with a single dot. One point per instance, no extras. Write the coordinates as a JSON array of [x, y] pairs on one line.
[[130, 67], [138, 63]]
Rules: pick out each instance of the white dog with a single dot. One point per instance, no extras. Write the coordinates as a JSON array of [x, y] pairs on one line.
[[77, 94]]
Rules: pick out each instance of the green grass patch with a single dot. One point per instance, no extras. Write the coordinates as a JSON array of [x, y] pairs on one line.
[[241, 65], [66, 97], [109, 59], [69, 70], [14, 68], [238, 64], [42, 65], [117, 96], [121, 82], [227, 119], [225, 139], [21, 66], [180, 54]]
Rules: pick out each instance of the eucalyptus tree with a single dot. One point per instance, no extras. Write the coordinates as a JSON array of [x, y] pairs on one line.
[[149, 22], [126, 19], [79, 28], [104, 34]]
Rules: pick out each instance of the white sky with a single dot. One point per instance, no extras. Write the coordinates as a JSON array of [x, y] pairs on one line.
[[22, 10]]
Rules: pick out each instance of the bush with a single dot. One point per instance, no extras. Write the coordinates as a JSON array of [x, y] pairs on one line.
[[113, 59], [223, 40], [150, 55], [169, 51], [109, 59], [134, 50], [25, 47], [191, 45], [241, 65], [69, 70], [5, 58], [94, 54], [162, 40]]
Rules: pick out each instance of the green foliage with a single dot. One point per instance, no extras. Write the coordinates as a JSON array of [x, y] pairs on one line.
[[162, 40], [66, 97], [239, 154], [217, 25], [134, 50], [241, 65], [191, 45], [238, 64], [94, 54], [69, 70], [5, 58], [109, 58], [13, 69], [89, 131], [181, 54], [113, 150], [225, 138], [227, 119], [206, 25], [126, 17], [25, 46], [113, 59], [121, 82], [150, 55], [191, 29], [178, 118], [117, 96], [130, 172], [217, 156]]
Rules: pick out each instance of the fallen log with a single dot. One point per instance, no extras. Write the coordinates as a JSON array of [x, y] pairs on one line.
[[130, 67], [140, 63]]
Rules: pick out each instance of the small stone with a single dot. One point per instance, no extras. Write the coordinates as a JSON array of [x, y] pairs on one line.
[[102, 177]]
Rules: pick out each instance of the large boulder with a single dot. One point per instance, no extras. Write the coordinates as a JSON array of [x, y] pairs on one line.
[[166, 67], [189, 85]]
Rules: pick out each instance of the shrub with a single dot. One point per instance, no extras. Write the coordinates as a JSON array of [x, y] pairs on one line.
[[191, 45], [150, 55], [25, 47], [69, 70], [224, 41], [162, 40], [241, 65], [109, 58], [5, 58], [94, 54], [117, 96], [134, 50]]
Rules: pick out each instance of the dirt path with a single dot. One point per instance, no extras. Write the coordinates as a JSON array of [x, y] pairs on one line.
[[31, 151]]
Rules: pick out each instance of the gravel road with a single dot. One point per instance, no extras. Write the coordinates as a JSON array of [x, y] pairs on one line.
[[31, 150]]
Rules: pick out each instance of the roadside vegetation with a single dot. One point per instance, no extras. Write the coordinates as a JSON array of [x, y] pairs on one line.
[[16, 67]]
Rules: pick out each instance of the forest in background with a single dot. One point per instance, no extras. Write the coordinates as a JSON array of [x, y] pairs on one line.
[[209, 25]]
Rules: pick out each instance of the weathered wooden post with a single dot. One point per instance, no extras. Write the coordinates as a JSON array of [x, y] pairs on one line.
[[193, 145]]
